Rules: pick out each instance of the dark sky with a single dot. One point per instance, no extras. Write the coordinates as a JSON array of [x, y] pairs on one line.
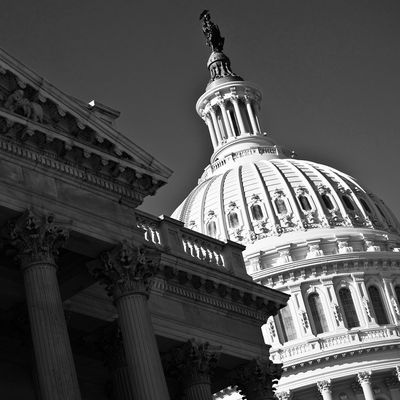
[[328, 70]]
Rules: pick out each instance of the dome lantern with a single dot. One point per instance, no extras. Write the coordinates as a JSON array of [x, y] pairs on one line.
[[230, 105]]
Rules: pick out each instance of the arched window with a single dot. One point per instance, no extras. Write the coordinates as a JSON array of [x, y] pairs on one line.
[[304, 202], [233, 220], [348, 308], [287, 324], [397, 291], [256, 212], [348, 202], [327, 201], [365, 205], [317, 313], [280, 206], [211, 227], [377, 305]]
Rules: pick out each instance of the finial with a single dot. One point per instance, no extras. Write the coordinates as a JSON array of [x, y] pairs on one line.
[[211, 32]]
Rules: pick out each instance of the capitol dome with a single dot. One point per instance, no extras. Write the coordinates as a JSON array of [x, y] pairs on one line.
[[312, 232], [262, 199]]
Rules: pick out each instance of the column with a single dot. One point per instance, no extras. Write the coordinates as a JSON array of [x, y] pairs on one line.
[[324, 387], [126, 272], [209, 123], [284, 395], [257, 378], [235, 101], [224, 113], [193, 365], [216, 126], [250, 112], [390, 298], [38, 240], [364, 379], [115, 359]]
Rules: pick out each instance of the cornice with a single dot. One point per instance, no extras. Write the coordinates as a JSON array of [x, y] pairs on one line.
[[70, 171], [326, 266]]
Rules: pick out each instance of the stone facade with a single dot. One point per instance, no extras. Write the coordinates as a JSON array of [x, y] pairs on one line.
[[94, 293]]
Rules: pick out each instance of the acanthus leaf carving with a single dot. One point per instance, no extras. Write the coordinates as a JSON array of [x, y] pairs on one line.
[[128, 268]]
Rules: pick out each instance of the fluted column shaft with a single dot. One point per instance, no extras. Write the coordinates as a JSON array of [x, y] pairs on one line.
[[127, 273], [199, 388], [236, 107], [216, 126], [38, 239], [212, 131], [141, 349], [225, 118], [250, 112], [53, 354]]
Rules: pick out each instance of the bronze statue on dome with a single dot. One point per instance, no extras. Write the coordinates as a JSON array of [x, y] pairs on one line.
[[211, 32]]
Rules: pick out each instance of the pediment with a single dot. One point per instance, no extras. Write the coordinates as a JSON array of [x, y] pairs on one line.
[[36, 115]]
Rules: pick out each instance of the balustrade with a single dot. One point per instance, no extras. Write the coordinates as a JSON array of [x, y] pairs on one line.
[[172, 235]]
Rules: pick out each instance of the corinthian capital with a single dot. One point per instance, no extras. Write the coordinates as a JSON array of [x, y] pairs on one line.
[[256, 379], [128, 268], [193, 362], [37, 238], [324, 386], [364, 377]]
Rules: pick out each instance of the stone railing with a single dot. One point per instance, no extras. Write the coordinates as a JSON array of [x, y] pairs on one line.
[[289, 354], [174, 238]]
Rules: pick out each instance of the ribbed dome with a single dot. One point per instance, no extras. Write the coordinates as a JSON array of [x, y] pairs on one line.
[[283, 200]]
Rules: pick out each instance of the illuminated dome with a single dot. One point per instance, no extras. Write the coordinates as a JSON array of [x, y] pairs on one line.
[[312, 232], [261, 199]]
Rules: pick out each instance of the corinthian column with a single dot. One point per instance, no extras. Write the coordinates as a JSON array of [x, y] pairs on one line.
[[364, 379], [38, 240], [256, 379], [115, 358], [193, 365], [126, 272], [324, 387]]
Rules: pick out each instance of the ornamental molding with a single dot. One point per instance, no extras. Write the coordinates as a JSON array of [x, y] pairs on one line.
[[38, 238], [364, 377], [47, 161], [257, 378], [192, 363], [320, 355], [309, 270], [35, 112], [216, 295], [127, 269], [324, 386]]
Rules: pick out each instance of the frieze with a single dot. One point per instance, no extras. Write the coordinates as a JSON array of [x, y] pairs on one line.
[[222, 296], [312, 272]]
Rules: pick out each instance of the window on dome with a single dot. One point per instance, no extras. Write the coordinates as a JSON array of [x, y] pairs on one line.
[[397, 291], [304, 202], [327, 201], [365, 205], [256, 212], [317, 313], [211, 227], [233, 122], [348, 308], [287, 324], [377, 305], [280, 206], [233, 220], [348, 202]]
